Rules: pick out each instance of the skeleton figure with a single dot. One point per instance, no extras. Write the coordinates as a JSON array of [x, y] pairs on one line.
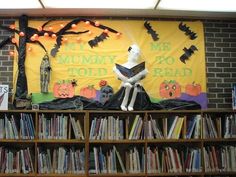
[[45, 70], [132, 82]]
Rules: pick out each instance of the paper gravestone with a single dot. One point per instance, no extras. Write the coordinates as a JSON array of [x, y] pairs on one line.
[[4, 97]]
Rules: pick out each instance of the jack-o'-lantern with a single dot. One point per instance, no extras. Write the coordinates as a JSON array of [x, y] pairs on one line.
[[63, 90], [170, 89], [193, 89]]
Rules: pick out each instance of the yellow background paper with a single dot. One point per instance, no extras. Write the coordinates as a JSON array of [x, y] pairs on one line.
[[77, 60]]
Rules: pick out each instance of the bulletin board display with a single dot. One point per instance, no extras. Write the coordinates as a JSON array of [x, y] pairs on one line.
[[175, 62]]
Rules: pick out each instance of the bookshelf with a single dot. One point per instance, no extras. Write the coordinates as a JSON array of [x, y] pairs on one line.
[[47, 143]]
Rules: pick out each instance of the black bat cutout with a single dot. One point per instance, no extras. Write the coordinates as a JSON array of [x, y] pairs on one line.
[[188, 53], [94, 42], [183, 27], [151, 31], [64, 31]]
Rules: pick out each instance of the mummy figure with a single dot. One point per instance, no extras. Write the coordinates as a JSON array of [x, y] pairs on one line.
[[45, 70]]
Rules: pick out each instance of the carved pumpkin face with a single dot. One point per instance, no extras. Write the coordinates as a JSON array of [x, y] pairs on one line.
[[170, 89], [63, 90], [193, 89]]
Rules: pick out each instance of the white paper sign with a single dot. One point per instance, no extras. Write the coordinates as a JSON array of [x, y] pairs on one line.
[[4, 97]]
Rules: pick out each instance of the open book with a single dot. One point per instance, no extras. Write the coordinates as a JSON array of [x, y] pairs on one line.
[[130, 72]]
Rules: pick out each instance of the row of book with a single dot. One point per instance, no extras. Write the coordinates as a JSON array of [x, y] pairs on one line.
[[14, 128], [137, 130], [219, 127], [15, 161], [154, 129], [196, 127], [175, 128], [71, 160], [115, 128], [61, 160], [172, 160], [59, 127], [193, 127], [107, 128], [110, 161], [77, 129], [230, 126], [220, 159], [105, 162], [210, 127], [135, 160], [172, 127]]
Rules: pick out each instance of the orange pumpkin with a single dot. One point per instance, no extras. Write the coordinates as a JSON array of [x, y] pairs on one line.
[[170, 89], [63, 90], [193, 89], [88, 92]]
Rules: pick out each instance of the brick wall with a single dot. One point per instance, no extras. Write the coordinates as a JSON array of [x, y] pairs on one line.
[[220, 42], [6, 62]]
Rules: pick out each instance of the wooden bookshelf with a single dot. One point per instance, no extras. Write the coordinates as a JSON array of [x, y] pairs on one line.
[[154, 137]]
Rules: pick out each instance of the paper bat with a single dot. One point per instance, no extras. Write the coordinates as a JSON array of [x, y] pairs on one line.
[[192, 35], [187, 53], [94, 42], [151, 31]]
